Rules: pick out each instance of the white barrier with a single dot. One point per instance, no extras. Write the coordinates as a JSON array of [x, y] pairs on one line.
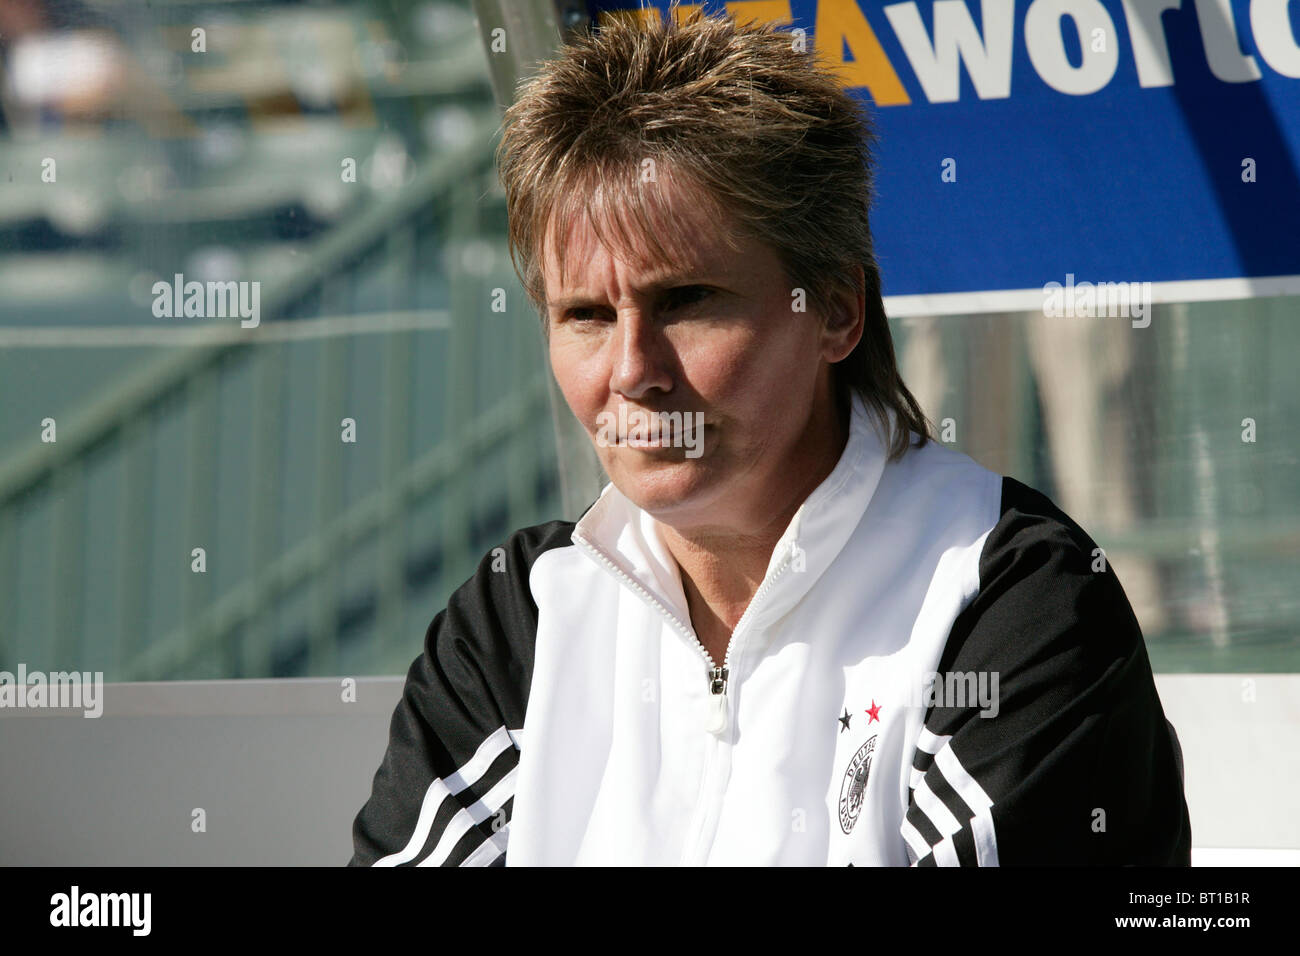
[[280, 768]]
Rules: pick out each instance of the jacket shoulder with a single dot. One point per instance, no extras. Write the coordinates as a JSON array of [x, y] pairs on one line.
[[1073, 760], [492, 617], [444, 792]]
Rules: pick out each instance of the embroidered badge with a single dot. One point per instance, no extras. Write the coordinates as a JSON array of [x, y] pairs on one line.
[[853, 789]]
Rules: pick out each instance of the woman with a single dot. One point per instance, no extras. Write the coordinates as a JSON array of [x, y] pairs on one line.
[[792, 629]]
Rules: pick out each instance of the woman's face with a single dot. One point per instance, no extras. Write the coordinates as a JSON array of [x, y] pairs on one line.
[[722, 347]]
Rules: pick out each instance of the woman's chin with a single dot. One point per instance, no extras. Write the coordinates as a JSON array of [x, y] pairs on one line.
[[663, 488]]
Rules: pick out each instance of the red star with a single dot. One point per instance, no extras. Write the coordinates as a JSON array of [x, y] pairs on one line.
[[873, 712]]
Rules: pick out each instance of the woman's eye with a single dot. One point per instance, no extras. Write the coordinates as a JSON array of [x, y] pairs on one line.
[[687, 295], [584, 314], [673, 299]]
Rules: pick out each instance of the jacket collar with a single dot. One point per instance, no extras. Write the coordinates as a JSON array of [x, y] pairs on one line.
[[627, 538]]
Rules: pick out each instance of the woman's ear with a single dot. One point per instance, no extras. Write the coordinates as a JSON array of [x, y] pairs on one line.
[[842, 327]]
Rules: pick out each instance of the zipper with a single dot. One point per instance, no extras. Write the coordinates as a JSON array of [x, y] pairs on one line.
[[685, 629], [718, 675], [718, 684]]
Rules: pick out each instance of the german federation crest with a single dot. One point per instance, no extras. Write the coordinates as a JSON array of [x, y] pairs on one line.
[[853, 789]]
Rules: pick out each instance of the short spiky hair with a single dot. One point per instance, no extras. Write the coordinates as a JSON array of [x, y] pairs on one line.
[[758, 131]]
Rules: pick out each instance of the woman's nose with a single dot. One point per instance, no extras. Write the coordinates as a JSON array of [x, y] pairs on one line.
[[640, 356]]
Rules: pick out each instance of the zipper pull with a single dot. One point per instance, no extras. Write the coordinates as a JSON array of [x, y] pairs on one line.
[[718, 681], [716, 720]]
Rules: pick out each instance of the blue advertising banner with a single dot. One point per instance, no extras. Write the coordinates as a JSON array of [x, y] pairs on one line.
[[1027, 142]]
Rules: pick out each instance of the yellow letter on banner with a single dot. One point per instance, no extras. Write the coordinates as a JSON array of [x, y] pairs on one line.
[[761, 11], [641, 16], [841, 20]]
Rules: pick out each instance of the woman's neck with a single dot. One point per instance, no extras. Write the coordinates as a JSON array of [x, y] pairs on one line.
[[722, 568]]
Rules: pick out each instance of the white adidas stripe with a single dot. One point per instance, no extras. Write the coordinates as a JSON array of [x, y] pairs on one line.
[[471, 816], [936, 810], [931, 743], [914, 839], [489, 849], [986, 844], [945, 853], [439, 790], [942, 818]]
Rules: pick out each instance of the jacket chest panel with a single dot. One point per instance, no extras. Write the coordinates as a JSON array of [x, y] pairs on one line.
[[817, 760], [822, 716]]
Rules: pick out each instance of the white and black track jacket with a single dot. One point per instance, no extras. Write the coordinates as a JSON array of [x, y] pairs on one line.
[[938, 669]]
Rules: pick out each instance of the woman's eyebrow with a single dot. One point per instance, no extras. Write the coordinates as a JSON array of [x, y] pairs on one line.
[[655, 286]]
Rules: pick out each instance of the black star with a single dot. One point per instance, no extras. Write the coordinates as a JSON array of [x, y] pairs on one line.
[[845, 720]]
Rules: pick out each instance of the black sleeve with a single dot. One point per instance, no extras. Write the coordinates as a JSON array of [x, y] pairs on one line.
[[1074, 761], [444, 793]]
